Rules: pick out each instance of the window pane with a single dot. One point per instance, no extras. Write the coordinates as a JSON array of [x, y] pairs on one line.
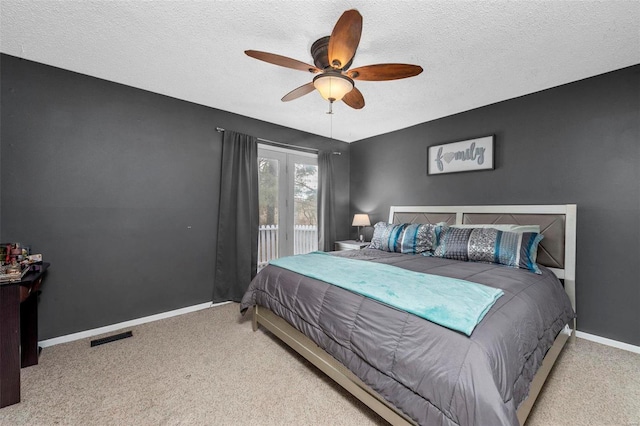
[[305, 196], [268, 172]]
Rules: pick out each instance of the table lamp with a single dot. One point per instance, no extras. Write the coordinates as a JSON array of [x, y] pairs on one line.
[[361, 220]]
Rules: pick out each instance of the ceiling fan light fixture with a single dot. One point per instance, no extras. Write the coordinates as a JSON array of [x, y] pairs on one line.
[[332, 56], [333, 87]]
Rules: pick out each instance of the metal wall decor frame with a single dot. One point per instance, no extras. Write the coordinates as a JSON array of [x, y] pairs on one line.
[[462, 156]]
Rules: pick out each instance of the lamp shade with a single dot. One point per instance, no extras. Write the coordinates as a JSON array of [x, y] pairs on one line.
[[361, 220], [333, 87]]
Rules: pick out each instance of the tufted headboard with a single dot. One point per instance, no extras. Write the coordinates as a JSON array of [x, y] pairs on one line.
[[557, 223]]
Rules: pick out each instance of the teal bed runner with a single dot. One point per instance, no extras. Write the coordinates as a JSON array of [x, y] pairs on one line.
[[456, 304]]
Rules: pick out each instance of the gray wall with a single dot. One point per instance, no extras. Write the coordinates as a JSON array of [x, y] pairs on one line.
[[577, 143], [105, 180]]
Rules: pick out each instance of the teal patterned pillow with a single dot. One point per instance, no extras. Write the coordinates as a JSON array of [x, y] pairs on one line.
[[518, 250], [417, 238], [385, 236], [410, 238]]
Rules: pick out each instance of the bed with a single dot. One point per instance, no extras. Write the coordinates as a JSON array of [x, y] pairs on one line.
[[413, 371]]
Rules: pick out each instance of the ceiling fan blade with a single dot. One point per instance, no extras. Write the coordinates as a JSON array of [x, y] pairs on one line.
[[354, 99], [383, 72], [345, 38], [300, 91], [283, 61]]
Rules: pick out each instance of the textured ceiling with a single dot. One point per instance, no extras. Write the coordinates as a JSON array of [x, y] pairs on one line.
[[473, 53]]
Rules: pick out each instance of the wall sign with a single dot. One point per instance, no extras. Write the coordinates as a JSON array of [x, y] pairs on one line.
[[463, 156]]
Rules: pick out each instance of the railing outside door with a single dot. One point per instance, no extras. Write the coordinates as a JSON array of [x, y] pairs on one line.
[[305, 241]]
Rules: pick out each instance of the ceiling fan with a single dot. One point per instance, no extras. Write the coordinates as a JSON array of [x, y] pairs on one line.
[[332, 56]]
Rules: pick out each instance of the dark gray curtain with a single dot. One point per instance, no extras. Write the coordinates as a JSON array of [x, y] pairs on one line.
[[237, 248], [326, 202]]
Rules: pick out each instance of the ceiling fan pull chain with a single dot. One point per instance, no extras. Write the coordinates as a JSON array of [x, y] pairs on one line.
[[330, 108], [330, 121]]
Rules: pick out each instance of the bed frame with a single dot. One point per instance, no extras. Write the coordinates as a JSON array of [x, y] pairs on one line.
[[557, 251]]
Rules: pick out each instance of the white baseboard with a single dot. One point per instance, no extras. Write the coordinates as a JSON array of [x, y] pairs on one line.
[[608, 342], [125, 324]]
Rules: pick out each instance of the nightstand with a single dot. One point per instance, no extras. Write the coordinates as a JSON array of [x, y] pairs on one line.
[[350, 245]]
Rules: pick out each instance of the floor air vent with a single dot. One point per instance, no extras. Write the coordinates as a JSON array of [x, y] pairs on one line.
[[111, 338]]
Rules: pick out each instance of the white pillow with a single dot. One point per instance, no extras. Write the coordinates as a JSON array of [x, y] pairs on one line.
[[502, 227]]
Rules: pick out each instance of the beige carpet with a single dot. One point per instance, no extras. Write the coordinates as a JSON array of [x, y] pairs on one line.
[[209, 368]]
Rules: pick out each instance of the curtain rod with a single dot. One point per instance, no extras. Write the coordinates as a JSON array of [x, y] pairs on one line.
[[268, 142]]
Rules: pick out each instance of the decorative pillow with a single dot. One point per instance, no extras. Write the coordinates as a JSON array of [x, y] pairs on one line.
[[385, 236], [453, 244], [518, 250], [411, 238], [419, 238]]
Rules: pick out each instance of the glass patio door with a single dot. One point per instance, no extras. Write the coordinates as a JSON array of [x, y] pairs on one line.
[[288, 188]]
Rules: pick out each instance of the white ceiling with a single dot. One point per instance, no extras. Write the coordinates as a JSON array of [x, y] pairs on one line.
[[474, 53]]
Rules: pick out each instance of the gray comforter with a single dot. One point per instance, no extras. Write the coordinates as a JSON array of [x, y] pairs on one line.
[[434, 375]]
